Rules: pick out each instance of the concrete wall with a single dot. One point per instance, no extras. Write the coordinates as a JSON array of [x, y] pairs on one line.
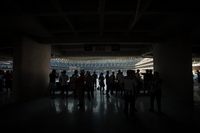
[[174, 62], [31, 69]]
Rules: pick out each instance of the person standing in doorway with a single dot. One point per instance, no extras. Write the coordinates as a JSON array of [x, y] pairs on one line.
[[64, 83], [155, 92], [130, 91], [198, 76], [94, 79], [52, 83]]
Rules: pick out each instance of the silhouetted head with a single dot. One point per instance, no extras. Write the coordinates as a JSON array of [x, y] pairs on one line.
[[132, 73], [7, 72], [76, 72], [107, 72], [64, 71], [82, 72], [53, 71], [150, 71], [88, 72], [128, 72]]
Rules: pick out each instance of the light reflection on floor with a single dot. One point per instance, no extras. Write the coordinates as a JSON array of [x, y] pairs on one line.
[[100, 103], [99, 115]]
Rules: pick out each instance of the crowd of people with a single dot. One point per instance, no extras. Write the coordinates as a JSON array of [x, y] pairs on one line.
[[6, 79], [128, 86]]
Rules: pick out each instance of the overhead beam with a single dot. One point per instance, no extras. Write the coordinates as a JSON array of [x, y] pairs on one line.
[[94, 31], [134, 37], [56, 4], [46, 14], [138, 14]]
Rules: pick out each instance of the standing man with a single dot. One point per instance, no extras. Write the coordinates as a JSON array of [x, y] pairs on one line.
[[155, 92], [130, 90], [94, 79], [198, 76], [73, 85], [52, 82], [64, 83], [108, 84], [80, 88]]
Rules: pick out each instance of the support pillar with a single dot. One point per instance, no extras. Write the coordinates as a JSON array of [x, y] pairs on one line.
[[173, 60], [31, 69]]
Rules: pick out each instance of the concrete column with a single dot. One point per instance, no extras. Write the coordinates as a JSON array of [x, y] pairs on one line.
[[174, 62], [31, 69]]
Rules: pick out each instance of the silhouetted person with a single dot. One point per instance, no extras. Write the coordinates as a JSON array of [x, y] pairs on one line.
[[101, 83], [89, 85], [148, 81], [73, 85], [155, 92], [80, 88], [52, 83], [2, 76], [129, 94], [198, 76], [108, 84], [139, 81], [120, 82], [8, 81], [112, 82], [94, 78], [64, 83]]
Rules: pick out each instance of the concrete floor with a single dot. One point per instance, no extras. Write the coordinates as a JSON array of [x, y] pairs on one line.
[[100, 115]]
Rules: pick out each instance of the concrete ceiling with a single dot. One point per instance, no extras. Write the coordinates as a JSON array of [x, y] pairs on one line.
[[88, 24]]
